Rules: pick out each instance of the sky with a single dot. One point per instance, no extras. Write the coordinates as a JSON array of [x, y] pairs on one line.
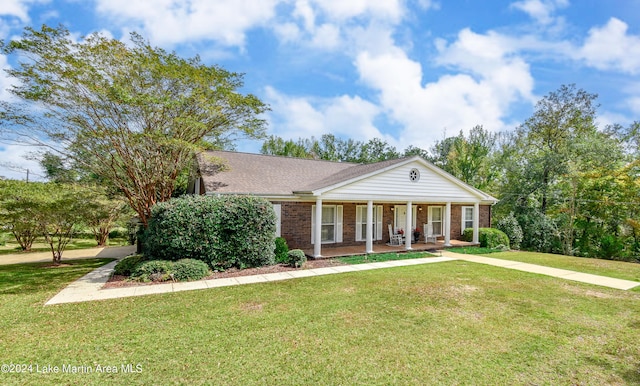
[[410, 72]]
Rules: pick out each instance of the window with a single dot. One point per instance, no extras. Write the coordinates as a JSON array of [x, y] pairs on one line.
[[331, 224], [361, 222], [414, 175], [435, 219], [467, 217], [328, 224]]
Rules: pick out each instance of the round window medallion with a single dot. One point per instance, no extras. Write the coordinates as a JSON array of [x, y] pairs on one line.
[[414, 175]]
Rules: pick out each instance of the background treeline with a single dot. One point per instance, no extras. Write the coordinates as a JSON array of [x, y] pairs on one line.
[[571, 187]]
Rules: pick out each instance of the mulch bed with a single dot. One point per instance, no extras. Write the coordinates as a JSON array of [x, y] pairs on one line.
[[118, 281]]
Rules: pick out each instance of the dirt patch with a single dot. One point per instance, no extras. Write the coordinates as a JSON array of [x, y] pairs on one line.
[[56, 265], [118, 281]]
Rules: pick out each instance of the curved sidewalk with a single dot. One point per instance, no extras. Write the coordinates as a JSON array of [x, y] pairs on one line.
[[588, 278]]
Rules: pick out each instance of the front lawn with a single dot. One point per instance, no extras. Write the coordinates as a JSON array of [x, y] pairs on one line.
[[446, 323], [617, 269], [378, 257]]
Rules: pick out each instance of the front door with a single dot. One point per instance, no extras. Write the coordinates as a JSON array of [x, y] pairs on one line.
[[401, 217]]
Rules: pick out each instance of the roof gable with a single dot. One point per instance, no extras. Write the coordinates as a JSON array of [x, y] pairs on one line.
[[392, 181]]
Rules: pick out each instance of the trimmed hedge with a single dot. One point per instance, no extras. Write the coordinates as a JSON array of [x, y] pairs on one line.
[[488, 237], [127, 266], [154, 270], [190, 269], [222, 231], [297, 258]]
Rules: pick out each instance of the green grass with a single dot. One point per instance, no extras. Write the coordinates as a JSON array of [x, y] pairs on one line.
[[377, 257], [446, 323], [473, 250], [617, 269]]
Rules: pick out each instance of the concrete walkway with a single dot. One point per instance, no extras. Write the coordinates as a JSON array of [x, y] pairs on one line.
[[87, 288], [43, 257], [548, 271]]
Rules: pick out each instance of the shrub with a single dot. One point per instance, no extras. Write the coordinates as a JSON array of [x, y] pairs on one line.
[[127, 266], [154, 270], [281, 251], [190, 269], [510, 226], [297, 258], [223, 231], [488, 237]]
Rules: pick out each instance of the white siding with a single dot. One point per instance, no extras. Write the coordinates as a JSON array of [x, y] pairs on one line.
[[396, 185]]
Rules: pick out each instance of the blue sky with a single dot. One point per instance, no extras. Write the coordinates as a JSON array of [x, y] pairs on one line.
[[407, 71]]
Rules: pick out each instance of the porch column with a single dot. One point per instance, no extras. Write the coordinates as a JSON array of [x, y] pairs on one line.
[[369, 226], [317, 236], [447, 225], [407, 229], [476, 223]]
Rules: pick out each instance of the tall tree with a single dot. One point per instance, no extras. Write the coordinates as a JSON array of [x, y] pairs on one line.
[[547, 139], [131, 113]]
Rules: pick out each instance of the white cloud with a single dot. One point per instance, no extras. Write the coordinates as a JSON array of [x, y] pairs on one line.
[[300, 117], [16, 8], [611, 48], [178, 21], [391, 10], [489, 79], [540, 10]]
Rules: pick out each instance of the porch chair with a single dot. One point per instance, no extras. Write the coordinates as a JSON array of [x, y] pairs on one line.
[[428, 234], [394, 239]]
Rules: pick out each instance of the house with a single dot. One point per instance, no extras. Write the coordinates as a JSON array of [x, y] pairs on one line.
[[347, 204]]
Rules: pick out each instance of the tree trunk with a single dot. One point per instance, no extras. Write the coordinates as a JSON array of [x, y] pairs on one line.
[[57, 257]]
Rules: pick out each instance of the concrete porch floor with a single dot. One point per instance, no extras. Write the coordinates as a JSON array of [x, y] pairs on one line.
[[353, 250]]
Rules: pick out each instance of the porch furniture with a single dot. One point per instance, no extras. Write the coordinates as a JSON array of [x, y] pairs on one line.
[[394, 239], [429, 237]]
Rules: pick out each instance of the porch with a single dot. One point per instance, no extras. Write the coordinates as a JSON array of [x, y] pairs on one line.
[[353, 250]]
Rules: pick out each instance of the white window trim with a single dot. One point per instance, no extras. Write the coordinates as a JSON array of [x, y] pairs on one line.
[[337, 224], [464, 220], [361, 218]]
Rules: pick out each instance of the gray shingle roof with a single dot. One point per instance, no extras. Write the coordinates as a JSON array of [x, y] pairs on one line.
[[246, 173]]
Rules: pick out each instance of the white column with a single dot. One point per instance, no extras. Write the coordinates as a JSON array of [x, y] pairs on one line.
[[369, 231], [476, 223], [317, 237], [447, 225], [407, 230]]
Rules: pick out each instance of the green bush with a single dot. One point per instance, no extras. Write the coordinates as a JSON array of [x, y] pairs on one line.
[[281, 251], [223, 231], [127, 266], [3, 239], [119, 233], [297, 258], [190, 269], [488, 238], [510, 226], [154, 270]]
